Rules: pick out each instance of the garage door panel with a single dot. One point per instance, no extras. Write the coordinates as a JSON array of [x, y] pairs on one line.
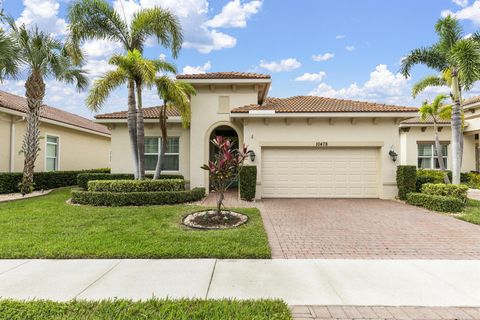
[[311, 172]]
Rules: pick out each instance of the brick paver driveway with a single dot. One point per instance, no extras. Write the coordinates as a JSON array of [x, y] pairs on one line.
[[365, 229]]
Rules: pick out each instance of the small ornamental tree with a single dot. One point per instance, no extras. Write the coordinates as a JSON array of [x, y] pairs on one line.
[[224, 169]]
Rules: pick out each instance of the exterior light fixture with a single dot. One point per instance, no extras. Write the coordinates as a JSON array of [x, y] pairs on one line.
[[393, 155], [252, 155]]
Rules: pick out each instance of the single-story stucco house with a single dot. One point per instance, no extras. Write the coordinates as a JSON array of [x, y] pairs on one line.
[[68, 141], [304, 146]]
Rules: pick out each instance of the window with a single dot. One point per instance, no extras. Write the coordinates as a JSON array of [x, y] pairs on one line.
[[152, 150], [427, 155], [51, 155]]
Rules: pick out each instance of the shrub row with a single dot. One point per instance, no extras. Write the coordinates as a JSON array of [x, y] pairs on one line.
[[434, 202], [136, 185], [448, 190], [406, 179], [136, 198], [248, 182], [9, 181], [82, 179]]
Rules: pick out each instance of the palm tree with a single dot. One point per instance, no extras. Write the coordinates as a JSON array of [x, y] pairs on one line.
[[135, 71], [458, 57], [97, 19], [175, 95], [40, 56], [436, 111]]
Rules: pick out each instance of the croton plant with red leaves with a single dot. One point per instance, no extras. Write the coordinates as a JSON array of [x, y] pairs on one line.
[[223, 170]]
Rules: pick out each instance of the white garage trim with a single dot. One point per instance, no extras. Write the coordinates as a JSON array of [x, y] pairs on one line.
[[306, 172], [315, 143]]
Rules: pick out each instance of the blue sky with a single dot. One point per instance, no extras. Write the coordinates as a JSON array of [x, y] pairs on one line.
[[347, 49]]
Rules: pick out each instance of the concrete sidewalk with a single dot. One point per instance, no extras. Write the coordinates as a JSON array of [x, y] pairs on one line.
[[298, 282]]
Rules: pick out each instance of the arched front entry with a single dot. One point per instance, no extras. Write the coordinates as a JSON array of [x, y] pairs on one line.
[[225, 131]]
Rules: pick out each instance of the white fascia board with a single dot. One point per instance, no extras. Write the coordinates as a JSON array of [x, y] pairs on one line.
[[408, 125], [227, 81], [55, 122], [405, 115], [261, 112], [169, 120]]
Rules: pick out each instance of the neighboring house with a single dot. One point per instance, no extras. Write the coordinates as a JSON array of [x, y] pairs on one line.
[[68, 141], [304, 146]]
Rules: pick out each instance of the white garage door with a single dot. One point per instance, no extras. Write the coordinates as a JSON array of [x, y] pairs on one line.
[[319, 173]]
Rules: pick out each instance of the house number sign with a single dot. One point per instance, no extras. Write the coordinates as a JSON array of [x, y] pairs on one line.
[[321, 144]]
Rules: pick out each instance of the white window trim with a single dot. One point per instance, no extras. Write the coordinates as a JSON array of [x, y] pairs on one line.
[[166, 153], [58, 151], [433, 156]]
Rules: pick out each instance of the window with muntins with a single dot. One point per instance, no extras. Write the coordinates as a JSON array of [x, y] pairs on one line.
[[152, 151], [427, 155], [51, 154]]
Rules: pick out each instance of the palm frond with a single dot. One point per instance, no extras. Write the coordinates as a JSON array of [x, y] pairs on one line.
[[466, 57], [102, 88], [160, 23], [428, 81], [9, 59], [431, 57], [449, 31]]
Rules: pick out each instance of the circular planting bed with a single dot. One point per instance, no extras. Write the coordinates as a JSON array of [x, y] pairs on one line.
[[212, 220]]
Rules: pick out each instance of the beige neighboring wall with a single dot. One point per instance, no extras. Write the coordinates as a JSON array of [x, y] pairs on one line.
[[409, 140], [383, 134], [78, 149], [209, 112], [122, 161]]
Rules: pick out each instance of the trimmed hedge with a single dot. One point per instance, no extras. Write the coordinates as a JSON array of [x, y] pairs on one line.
[[82, 179], [248, 182], [435, 175], [435, 203], [9, 181], [136, 185], [448, 190], [406, 180], [421, 180], [136, 198]]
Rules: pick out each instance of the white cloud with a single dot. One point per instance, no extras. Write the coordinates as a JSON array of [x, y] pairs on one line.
[[323, 57], [382, 86], [44, 14], [100, 48], [282, 65], [340, 36], [97, 67], [162, 57], [349, 48], [197, 69], [234, 14], [461, 3], [471, 12], [319, 76]]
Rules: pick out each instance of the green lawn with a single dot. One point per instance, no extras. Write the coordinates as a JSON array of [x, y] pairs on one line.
[[472, 212], [151, 309], [47, 227]]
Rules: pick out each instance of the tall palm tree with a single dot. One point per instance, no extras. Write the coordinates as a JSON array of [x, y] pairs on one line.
[[437, 111], [40, 56], [135, 71], [175, 95], [459, 57], [97, 19]]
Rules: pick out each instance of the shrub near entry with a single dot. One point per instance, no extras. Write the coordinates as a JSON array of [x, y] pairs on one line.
[[248, 182], [406, 180], [435, 203], [136, 185]]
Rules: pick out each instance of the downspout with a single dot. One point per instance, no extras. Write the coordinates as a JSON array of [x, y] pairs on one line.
[[12, 145]]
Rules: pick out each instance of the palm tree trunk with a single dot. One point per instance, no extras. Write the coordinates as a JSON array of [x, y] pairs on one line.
[[164, 139], [35, 91], [438, 147], [140, 133], [132, 125], [457, 134]]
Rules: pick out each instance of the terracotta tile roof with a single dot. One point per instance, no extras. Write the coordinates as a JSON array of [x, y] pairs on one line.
[[224, 75], [18, 103], [471, 100], [429, 120], [148, 113], [306, 104]]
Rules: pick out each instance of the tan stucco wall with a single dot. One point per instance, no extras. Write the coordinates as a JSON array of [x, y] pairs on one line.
[[78, 150], [122, 161], [205, 118], [410, 152], [363, 132]]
